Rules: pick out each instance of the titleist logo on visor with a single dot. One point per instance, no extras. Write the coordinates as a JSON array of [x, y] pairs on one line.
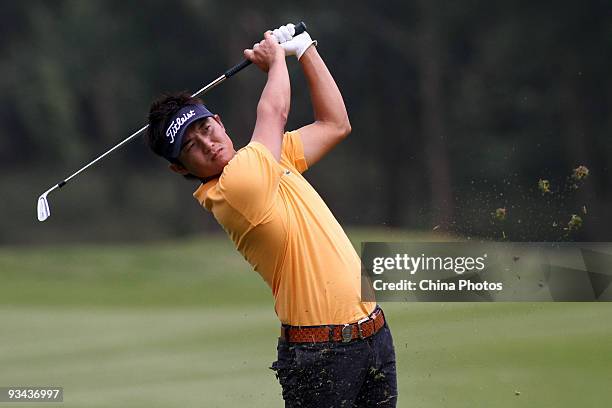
[[176, 124]]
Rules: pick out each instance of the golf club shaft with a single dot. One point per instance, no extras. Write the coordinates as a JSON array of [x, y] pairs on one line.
[[135, 134], [299, 28]]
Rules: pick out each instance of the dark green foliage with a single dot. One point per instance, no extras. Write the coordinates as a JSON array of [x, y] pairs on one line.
[[456, 109]]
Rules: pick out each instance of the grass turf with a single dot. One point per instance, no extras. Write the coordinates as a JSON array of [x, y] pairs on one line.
[[186, 324]]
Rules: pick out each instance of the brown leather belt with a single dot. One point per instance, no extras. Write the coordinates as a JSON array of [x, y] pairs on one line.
[[362, 329]]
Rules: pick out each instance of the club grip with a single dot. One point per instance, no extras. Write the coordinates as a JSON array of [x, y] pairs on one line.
[[299, 29], [237, 68]]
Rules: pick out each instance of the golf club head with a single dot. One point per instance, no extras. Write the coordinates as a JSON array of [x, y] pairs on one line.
[[43, 208]]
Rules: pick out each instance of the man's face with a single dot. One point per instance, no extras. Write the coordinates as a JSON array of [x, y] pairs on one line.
[[206, 148]]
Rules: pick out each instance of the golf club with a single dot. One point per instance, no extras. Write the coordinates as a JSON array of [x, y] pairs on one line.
[[43, 204]]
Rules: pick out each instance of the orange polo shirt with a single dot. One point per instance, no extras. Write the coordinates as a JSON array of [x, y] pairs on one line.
[[283, 228]]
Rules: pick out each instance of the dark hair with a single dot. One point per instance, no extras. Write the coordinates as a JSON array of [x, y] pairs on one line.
[[161, 112]]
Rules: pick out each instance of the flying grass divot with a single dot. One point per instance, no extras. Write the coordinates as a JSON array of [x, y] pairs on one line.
[[544, 186], [574, 223], [499, 215], [579, 174], [561, 225]]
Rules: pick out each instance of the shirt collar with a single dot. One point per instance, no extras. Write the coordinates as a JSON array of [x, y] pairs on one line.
[[200, 193]]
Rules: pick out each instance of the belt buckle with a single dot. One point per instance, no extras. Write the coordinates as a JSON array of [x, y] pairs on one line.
[[359, 323], [347, 333]]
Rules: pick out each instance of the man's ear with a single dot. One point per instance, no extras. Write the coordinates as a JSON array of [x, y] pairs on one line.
[[218, 119], [178, 168]]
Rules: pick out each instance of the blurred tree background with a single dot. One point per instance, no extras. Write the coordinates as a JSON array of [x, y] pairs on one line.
[[457, 108]]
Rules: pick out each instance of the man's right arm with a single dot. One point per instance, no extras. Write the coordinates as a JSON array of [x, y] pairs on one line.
[[273, 106]]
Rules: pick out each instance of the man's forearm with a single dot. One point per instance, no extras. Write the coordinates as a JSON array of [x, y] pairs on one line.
[[273, 109], [276, 95], [327, 102]]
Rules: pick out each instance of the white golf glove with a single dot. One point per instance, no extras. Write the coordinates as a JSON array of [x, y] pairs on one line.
[[293, 45]]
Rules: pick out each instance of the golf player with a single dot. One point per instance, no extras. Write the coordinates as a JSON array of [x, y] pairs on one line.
[[333, 349]]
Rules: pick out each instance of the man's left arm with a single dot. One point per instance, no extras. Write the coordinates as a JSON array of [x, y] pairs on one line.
[[331, 123]]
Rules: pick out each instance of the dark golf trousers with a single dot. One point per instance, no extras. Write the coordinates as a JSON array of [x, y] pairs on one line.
[[360, 373]]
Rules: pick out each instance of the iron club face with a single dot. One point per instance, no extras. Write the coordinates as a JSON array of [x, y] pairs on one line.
[[43, 208]]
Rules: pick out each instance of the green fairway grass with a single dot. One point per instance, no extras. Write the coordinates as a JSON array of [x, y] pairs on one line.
[[188, 324]]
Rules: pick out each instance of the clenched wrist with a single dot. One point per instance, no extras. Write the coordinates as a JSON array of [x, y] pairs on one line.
[[308, 54], [278, 63]]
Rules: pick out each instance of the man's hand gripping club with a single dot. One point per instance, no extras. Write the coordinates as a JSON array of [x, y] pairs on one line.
[[293, 45]]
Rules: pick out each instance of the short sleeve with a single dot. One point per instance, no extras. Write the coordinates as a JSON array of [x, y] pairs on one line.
[[249, 182], [293, 150]]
